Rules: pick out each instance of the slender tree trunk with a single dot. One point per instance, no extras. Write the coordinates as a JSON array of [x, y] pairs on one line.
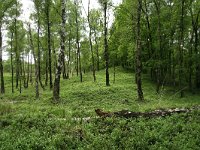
[[46, 69], [31, 73], [55, 58], [190, 63], [23, 68], [138, 66], [56, 90], [38, 47], [160, 55], [16, 54], [64, 69], [20, 76], [49, 45], [149, 37], [181, 45], [36, 65], [12, 69], [106, 53], [97, 49], [1, 62], [76, 67], [69, 57], [91, 45], [171, 41], [78, 43], [28, 72]]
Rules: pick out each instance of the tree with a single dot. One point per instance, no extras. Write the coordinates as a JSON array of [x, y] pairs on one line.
[[38, 5], [56, 90], [90, 39], [181, 46], [78, 40], [11, 56], [104, 4], [138, 65], [4, 8], [36, 65], [48, 4]]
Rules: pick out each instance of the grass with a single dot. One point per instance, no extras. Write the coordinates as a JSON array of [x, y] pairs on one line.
[[26, 123]]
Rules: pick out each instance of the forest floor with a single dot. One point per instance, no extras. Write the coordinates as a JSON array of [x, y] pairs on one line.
[[26, 123]]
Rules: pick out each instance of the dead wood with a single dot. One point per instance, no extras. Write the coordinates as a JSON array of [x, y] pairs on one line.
[[155, 113]]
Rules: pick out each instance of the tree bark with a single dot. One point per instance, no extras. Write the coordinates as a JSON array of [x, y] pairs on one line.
[[46, 68], [1, 62], [11, 61], [16, 54], [78, 44], [181, 45], [69, 56], [64, 69], [97, 50], [106, 53], [28, 72], [20, 75], [49, 44], [159, 54], [138, 65], [56, 90], [149, 37], [31, 73], [155, 113], [38, 47], [91, 45], [23, 69], [36, 65]]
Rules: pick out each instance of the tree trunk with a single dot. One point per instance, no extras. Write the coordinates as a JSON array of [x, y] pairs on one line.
[[181, 45], [16, 54], [97, 49], [1, 62], [155, 113], [55, 58], [90, 39], [36, 66], [23, 70], [64, 69], [38, 47], [31, 73], [56, 90], [49, 45], [78, 43], [28, 72], [149, 37], [76, 67], [11, 59], [138, 66], [46, 69], [106, 53], [159, 55], [20, 75], [69, 56]]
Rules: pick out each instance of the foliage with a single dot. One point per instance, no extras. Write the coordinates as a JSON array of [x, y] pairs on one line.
[[29, 124]]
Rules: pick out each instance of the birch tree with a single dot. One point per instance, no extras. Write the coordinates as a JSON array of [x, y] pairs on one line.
[[56, 90]]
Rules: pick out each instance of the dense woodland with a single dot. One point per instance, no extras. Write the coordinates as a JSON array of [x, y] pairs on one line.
[[75, 59], [159, 38]]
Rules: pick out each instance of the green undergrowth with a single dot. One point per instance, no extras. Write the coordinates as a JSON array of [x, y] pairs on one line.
[[27, 123]]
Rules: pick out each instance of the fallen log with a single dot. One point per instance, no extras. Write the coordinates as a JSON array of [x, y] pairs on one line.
[[155, 113]]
